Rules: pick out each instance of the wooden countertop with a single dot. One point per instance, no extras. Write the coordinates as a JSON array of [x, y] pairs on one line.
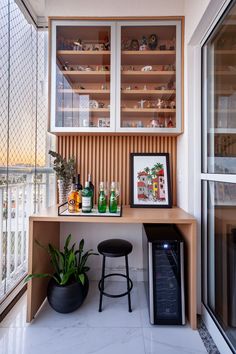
[[174, 215]]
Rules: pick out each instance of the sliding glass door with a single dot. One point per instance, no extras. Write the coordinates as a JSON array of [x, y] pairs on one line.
[[219, 174]]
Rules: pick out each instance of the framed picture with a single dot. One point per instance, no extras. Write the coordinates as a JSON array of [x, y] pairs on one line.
[[150, 180]]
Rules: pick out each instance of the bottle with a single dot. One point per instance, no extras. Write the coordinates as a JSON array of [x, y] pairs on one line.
[[73, 199], [113, 199], [79, 188], [91, 186], [87, 195], [102, 201]]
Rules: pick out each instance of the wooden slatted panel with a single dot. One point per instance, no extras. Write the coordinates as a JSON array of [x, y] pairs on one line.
[[107, 158]]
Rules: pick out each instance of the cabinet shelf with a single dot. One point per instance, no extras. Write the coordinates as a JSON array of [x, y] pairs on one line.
[[153, 57], [148, 73], [133, 94], [85, 92], [146, 76], [85, 57], [148, 110], [90, 110], [84, 73]]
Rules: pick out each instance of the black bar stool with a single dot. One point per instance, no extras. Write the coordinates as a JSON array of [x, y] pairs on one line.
[[115, 248]]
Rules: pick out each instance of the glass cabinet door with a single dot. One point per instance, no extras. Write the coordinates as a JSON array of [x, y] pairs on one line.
[[82, 86], [149, 76]]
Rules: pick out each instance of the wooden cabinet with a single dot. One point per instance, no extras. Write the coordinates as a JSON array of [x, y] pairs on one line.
[[116, 76]]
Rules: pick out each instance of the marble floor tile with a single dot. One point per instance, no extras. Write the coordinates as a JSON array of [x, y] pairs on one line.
[[86, 331], [32, 340], [172, 340]]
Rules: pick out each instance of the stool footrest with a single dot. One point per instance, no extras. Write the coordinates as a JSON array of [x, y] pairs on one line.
[[118, 295]]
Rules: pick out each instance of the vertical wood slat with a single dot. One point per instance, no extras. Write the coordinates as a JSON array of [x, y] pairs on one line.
[[107, 158]]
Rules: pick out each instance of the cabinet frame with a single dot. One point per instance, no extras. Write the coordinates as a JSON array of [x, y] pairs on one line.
[[115, 94], [178, 79], [54, 23]]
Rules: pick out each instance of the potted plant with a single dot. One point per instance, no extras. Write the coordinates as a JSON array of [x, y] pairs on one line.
[[69, 284], [65, 170]]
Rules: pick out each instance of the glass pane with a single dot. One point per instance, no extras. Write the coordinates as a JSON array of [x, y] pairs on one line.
[[148, 82], [220, 94], [221, 245], [83, 76]]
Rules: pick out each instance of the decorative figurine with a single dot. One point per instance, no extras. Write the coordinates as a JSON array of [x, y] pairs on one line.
[[159, 103], [153, 123], [145, 87], [143, 45], [134, 45], [101, 105], [152, 41], [128, 88], [172, 104], [65, 67], [78, 44], [170, 123], [93, 104], [103, 87], [107, 44], [147, 68], [141, 102]]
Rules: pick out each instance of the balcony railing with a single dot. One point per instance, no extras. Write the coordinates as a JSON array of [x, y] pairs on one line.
[[23, 195]]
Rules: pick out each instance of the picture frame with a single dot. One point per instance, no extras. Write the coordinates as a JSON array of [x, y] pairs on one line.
[[150, 185]]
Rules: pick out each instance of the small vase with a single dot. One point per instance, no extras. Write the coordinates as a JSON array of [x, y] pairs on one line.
[[63, 190]]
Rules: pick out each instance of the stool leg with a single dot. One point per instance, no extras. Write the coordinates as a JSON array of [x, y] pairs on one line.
[[102, 283], [127, 274]]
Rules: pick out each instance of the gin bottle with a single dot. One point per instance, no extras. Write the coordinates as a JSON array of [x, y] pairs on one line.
[[87, 195], [91, 186]]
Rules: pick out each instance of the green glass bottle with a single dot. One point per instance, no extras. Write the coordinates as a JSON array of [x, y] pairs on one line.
[[113, 199], [91, 186], [87, 195], [102, 201]]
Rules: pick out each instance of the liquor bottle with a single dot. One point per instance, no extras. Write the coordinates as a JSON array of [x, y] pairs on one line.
[[91, 186], [113, 199], [73, 199], [87, 195], [102, 201], [79, 188]]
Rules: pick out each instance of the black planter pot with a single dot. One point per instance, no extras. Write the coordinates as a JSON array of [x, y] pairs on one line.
[[67, 298]]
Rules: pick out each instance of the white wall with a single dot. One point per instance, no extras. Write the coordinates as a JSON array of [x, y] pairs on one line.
[[114, 8]]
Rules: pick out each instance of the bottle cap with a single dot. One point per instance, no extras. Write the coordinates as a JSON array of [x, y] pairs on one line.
[[101, 185], [86, 184]]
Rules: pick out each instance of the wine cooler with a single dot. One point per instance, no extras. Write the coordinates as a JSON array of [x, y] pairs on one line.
[[164, 273]]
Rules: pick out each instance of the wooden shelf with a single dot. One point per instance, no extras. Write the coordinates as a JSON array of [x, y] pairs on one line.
[[85, 57], [133, 94], [148, 110], [148, 52], [84, 73], [92, 91], [147, 73], [83, 52], [225, 73], [92, 110]]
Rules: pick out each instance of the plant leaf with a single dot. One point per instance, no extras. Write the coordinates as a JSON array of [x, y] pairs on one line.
[[82, 278]]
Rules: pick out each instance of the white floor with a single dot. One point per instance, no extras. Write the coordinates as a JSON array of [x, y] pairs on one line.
[[113, 331]]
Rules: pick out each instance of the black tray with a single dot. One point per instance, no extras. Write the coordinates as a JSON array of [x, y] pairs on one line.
[[63, 211]]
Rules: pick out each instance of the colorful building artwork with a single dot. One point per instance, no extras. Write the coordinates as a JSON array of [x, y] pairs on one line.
[[151, 184]]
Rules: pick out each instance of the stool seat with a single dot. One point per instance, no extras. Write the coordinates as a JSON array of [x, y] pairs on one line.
[[115, 248]]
